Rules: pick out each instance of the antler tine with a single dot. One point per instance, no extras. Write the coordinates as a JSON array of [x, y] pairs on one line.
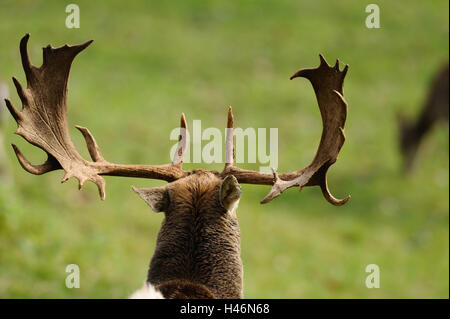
[[182, 143], [16, 114], [94, 150], [49, 165], [26, 63], [326, 192], [229, 144]]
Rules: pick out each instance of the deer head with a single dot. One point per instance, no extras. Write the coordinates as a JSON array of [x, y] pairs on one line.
[[198, 247]]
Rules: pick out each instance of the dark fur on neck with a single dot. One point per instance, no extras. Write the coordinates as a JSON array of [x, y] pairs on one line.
[[183, 289]]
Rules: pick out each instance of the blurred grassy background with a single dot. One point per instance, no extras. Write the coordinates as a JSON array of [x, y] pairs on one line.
[[153, 60]]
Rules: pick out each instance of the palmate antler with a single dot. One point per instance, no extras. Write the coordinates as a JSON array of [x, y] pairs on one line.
[[43, 122], [328, 83]]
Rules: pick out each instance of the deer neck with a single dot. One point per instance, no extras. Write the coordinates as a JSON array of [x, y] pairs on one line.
[[203, 254]]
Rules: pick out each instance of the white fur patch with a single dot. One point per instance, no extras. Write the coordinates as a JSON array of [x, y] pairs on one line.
[[146, 292], [234, 206]]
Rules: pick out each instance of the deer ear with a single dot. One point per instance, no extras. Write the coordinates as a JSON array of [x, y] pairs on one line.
[[156, 197], [230, 193]]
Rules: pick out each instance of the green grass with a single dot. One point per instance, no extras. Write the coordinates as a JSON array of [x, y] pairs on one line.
[[152, 60]]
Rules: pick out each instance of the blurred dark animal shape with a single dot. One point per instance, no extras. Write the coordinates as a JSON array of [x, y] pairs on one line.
[[433, 111]]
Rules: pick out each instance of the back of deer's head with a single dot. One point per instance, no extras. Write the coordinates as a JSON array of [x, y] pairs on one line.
[[199, 238]]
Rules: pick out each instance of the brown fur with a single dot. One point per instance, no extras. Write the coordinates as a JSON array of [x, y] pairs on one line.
[[197, 252], [183, 289]]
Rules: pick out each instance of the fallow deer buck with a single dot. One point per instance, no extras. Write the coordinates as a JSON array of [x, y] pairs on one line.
[[197, 251]]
